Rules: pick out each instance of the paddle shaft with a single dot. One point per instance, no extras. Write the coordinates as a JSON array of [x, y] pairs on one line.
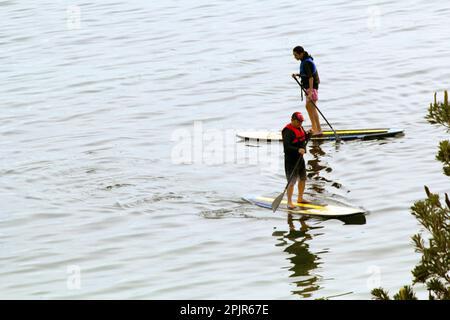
[[334, 131], [277, 201], [292, 174]]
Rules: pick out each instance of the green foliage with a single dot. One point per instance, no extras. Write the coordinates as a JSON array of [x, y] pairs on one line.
[[439, 113], [433, 269], [405, 293], [444, 156], [380, 294]]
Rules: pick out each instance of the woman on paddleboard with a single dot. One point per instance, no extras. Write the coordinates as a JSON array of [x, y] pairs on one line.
[[310, 82], [295, 139]]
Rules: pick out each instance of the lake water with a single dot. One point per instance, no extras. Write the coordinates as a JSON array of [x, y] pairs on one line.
[[121, 176]]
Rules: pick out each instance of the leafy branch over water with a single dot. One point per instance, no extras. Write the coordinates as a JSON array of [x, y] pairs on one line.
[[439, 113], [434, 266]]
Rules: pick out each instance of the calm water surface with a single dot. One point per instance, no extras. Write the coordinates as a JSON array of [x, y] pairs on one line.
[[121, 177]]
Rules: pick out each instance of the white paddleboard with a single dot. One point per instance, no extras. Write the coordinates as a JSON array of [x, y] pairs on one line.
[[310, 209], [349, 134]]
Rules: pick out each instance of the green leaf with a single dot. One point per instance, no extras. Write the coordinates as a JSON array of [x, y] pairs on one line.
[[380, 294], [433, 269], [405, 293], [420, 273]]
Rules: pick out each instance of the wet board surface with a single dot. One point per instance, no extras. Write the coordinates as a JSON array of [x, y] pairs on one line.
[[310, 209], [350, 134]]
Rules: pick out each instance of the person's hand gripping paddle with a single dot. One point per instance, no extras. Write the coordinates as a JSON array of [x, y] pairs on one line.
[[334, 131]]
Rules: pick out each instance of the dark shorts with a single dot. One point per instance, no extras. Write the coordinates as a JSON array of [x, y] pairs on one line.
[[300, 171]]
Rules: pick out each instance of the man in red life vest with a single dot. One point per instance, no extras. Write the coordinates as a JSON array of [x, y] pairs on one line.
[[294, 143]]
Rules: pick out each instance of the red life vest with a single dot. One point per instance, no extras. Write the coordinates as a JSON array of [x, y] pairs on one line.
[[299, 133]]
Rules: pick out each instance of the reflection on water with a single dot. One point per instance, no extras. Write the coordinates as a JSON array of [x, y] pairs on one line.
[[319, 184], [88, 155], [303, 261], [355, 220], [316, 182]]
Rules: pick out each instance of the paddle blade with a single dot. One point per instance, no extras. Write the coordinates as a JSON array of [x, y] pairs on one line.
[[277, 201]]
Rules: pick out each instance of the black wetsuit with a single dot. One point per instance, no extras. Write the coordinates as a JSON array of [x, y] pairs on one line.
[[291, 154]]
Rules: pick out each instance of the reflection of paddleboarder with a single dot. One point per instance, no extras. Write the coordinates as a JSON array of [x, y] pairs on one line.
[[304, 262], [294, 143]]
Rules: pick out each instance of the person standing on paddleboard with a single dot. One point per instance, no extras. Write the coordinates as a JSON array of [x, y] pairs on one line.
[[310, 82], [295, 139]]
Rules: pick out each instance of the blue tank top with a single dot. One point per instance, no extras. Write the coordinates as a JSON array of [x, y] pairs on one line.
[[302, 67], [304, 76]]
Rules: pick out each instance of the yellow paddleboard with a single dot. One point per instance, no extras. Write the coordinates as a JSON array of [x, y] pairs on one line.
[[310, 209]]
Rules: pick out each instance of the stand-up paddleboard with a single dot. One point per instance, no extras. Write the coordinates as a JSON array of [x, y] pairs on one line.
[[364, 134], [309, 209]]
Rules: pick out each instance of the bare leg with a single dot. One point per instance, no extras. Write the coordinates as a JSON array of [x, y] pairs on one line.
[[290, 192], [311, 116], [314, 117], [301, 190]]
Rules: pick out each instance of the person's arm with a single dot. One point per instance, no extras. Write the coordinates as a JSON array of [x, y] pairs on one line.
[[308, 135], [310, 76], [311, 83], [288, 137]]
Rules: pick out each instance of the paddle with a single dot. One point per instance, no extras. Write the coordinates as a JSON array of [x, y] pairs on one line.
[[334, 131], [277, 201]]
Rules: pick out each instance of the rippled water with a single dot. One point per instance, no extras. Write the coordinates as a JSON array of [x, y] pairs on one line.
[[121, 176]]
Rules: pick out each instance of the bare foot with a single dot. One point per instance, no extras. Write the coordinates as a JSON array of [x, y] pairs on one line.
[[291, 206]]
